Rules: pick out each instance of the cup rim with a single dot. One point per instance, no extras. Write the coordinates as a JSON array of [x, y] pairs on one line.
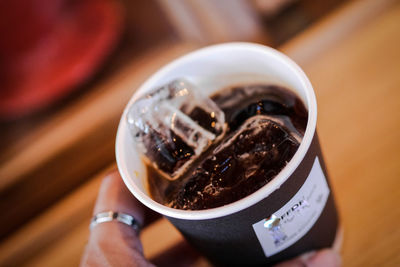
[[261, 193]]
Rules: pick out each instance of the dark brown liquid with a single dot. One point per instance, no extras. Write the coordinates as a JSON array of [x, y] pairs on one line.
[[266, 123]]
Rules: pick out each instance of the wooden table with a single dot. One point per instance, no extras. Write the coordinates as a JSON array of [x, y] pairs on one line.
[[357, 83], [353, 61]]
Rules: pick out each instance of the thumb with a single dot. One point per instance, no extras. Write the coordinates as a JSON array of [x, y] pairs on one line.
[[114, 243], [325, 257]]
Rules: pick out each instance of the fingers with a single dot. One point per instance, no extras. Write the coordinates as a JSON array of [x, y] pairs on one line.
[[114, 243], [325, 257], [114, 196]]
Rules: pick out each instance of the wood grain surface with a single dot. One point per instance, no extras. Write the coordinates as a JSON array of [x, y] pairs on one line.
[[353, 61], [357, 86]]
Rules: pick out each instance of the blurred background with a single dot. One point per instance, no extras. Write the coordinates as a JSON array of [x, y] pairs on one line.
[[68, 68]]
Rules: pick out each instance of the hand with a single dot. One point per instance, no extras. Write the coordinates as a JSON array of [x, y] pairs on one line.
[[117, 244]]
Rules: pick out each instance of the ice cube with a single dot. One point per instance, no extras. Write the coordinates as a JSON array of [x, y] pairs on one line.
[[173, 124], [244, 162]]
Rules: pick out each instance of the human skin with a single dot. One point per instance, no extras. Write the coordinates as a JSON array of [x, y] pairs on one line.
[[116, 244]]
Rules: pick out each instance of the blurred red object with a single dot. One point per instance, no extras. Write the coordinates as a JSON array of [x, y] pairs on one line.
[[48, 47]]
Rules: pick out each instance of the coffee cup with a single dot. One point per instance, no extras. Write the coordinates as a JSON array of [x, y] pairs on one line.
[[292, 214]]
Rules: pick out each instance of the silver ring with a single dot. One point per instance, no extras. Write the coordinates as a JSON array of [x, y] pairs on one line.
[[108, 216]]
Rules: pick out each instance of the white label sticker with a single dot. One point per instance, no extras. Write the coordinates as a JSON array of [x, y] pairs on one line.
[[291, 222]]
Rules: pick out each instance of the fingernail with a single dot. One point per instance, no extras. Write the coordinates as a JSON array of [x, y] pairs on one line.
[[306, 256], [336, 258], [326, 257]]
